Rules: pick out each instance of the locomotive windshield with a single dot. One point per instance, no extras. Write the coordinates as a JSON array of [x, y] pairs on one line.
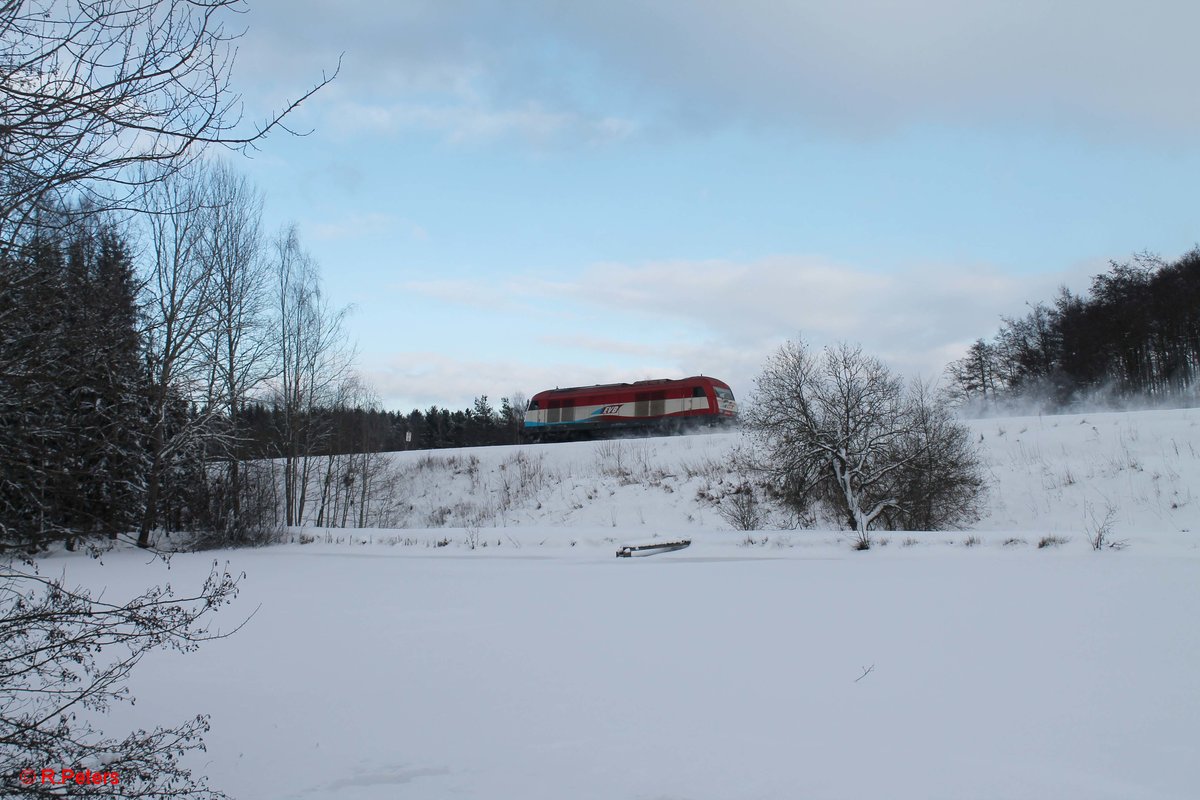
[[723, 394]]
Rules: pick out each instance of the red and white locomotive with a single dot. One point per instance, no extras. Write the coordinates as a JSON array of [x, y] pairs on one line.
[[663, 404]]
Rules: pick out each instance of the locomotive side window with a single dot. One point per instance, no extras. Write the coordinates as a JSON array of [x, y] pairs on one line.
[[658, 404], [697, 391], [641, 404]]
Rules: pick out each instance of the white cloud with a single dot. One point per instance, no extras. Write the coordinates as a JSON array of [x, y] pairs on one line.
[[470, 123], [622, 322], [538, 68], [759, 298], [419, 379], [864, 65], [600, 344]]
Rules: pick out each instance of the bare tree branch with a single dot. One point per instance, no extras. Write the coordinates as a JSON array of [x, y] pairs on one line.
[[841, 430], [92, 89]]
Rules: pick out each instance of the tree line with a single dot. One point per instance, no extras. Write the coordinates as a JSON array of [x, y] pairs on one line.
[[140, 308], [355, 429], [180, 370], [132, 348], [1134, 335]]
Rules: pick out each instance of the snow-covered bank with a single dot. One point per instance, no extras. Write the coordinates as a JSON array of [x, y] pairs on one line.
[[1069, 473]]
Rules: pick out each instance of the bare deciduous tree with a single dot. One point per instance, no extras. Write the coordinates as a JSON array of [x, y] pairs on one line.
[[840, 428], [207, 335], [237, 341], [742, 509], [345, 481], [180, 293], [313, 359], [63, 652], [974, 378], [943, 486], [93, 88], [101, 101]]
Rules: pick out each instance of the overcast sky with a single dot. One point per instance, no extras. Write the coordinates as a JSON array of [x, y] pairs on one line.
[[519, 195]]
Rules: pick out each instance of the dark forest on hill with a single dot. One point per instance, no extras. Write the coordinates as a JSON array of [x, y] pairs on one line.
[[1134, 337]]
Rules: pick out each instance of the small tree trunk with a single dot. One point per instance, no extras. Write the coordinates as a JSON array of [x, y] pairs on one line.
[[150, 515]]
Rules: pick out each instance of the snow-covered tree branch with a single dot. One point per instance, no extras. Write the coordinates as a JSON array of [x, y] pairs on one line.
[[840, 428]]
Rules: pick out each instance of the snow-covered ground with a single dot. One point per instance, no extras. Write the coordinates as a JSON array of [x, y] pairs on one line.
[[497, 649], [1066, 474]]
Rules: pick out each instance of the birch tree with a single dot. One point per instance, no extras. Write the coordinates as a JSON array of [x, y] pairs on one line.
[[236, 341], [313, 359]]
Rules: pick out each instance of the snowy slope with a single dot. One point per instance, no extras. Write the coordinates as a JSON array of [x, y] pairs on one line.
[[776, 664], [1047, 474]]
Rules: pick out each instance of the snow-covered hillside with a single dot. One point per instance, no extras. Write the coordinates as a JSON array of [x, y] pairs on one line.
[[500, 650], [1137, 471]]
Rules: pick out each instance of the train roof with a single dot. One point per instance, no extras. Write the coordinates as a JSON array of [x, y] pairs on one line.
[[652, 382]]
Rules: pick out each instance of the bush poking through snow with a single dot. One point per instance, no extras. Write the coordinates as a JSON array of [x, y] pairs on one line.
[[472, 539], [1051, 541], [1099, 532], [742, 509]]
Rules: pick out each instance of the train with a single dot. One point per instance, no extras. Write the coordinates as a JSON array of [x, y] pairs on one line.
[[663, 405]]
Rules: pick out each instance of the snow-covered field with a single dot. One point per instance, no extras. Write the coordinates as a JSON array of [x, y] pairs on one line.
[[497, 649]]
